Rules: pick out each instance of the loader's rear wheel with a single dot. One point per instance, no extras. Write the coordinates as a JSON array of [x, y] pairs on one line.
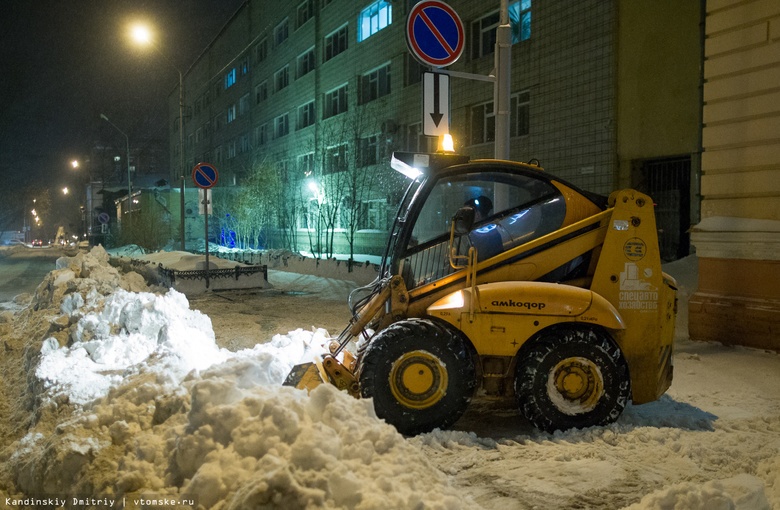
[[420, 374], [572, 377]]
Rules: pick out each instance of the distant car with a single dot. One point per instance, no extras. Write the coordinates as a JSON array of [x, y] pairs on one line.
[[37, 242]]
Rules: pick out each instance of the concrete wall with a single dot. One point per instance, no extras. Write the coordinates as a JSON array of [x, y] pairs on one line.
[[659, 75], [738, 240]]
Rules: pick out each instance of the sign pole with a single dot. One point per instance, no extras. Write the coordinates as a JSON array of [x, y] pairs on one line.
[[206, 196], [205, 177], [503, 83]]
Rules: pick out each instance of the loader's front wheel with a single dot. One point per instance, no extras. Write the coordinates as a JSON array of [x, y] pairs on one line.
[[420, 374], [572, 377]]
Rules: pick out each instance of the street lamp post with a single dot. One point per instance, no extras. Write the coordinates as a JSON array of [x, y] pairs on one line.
[[129, 183], [143, 35]]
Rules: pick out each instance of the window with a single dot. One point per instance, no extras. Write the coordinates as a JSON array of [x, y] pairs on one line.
[[243, 143], [219, 119], [414, 70], [483, 30], [335, 43], [230, 78], [515, 210], [261, 134], [243, 105], [218, 154], [281, 78], [231, 113], [231, 149], [375, 214], [306, 115], [335, 102], [306, 164], [305, 12], [374, 18], [281, 32], [483, 123], [243, 67], [281, 125], [261, 92], [375, 84], [520, 114], [415, 140], [260, 51], [368, 151], [335, 159], [305, 63]]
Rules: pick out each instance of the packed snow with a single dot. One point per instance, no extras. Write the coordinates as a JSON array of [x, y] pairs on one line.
[[116, 390]]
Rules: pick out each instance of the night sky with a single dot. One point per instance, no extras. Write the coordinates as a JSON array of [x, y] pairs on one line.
[[64, 62]]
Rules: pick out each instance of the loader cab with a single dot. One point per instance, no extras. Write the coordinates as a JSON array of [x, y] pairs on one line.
[[512, 204]]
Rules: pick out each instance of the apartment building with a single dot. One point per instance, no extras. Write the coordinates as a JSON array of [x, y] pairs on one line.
[[603, 93]]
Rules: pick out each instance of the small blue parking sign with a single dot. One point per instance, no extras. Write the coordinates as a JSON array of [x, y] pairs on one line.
[[434, 33], [205, 175]]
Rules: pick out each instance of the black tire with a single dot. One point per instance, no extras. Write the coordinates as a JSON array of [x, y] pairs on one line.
[[572, 377], [420, 374]]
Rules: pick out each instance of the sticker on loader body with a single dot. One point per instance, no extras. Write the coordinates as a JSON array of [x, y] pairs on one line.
[[636, 293]]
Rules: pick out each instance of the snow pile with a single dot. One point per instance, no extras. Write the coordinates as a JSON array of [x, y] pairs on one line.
[[127, 333], [146, 404]]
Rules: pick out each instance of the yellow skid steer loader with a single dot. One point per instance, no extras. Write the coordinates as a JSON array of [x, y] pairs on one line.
[[503, 279]]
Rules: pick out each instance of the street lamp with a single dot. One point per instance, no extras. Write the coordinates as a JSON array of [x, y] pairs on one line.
[[127, 140], [141, 34]]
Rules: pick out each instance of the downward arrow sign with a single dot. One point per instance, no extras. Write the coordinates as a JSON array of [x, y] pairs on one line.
[[436, 115]]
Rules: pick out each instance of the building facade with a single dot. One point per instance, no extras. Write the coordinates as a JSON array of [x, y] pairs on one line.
[[738, 239], [315, 89]]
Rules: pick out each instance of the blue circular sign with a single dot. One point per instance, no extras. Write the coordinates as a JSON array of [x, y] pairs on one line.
[[205, 175], [434, 33]]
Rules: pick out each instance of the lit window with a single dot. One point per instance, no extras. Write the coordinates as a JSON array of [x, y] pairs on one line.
[[335, 102], [231, 113], [374, 18], [335, 43], [230, 78], [375, 84], [483, 30]]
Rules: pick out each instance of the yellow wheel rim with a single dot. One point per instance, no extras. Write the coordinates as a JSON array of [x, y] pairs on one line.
[[575, 385], [418, 379]]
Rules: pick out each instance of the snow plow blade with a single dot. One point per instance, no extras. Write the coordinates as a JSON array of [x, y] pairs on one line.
[[305, 376]]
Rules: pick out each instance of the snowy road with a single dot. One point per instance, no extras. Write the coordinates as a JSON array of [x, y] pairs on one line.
[[135, 393]]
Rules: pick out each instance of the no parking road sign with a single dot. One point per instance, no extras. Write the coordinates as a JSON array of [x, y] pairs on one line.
[[205, 175], [434, 33]]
